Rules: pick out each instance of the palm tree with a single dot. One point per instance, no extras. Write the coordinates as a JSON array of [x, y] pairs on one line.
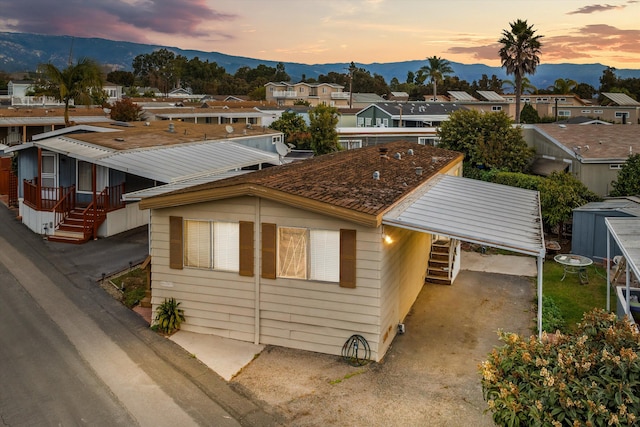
[[525, 86], [563, 86], [75, 82], [436, 70], [519, 54]]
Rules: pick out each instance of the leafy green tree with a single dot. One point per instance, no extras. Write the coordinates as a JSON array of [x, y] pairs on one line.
[[119, 77], [76, 82], [324, 136], [519, 54], [560, 194], [485, 83], [584, 91], [295, 129], [529, 114], [628, 181], [436, 69], [586, 378], [563, 86], [486, 139], [125, 110], [156, 69]]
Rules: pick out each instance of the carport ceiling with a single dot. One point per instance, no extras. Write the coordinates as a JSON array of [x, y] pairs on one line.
[[626, 233], [474, 211]]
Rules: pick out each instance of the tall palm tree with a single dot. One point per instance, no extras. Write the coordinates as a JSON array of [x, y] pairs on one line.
[[519, 54], [525, 87], [436, 70], [75, 82]]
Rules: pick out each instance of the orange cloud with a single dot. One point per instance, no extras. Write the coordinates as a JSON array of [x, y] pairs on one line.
[[595, 8]]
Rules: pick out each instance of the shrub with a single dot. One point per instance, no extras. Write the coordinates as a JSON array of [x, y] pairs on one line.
[[552, 320], [589, 378], [169, 316]]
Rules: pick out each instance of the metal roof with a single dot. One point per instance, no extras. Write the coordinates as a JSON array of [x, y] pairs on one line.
[[621, 98], [626, 232], [474, 211], [490, 95], [163, 163], [179, 185], [461, 95]]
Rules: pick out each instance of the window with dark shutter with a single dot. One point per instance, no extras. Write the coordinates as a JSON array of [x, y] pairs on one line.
[[269, 251], [246, 248], [347, 258], [175, 242]]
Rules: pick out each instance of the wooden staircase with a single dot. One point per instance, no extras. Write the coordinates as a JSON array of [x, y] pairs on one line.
[[439, 263], [76, 227]]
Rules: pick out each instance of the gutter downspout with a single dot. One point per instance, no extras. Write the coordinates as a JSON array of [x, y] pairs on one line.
[[256, 273], [608, 270]]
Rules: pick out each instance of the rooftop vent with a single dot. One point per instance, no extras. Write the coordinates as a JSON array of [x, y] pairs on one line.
[[376, 175], [397, 156], [418, 170], [172, 128], [383, 152], [410, 152]]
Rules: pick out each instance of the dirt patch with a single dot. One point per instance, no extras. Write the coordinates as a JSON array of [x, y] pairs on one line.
[[428, 377]]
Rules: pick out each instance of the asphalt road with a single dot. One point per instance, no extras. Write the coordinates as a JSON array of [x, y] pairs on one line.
[[71, 355]]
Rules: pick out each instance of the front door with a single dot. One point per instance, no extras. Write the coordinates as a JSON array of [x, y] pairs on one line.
[[49, 176]]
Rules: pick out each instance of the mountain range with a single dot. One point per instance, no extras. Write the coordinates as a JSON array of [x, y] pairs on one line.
[[20, 52]]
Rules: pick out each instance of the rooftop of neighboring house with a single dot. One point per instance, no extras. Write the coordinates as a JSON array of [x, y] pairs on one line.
[[134, 135], [344, 179], [418, 108], [37, 111], [595, 142]]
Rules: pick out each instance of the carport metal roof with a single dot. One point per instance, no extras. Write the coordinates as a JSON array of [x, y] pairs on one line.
[[478, 212], [474, 211]]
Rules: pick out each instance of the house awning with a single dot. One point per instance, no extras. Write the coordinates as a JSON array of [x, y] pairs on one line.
[[545, 167], [474, 211]]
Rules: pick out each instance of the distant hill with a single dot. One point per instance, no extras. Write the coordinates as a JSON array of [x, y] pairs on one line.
[[21, 52]]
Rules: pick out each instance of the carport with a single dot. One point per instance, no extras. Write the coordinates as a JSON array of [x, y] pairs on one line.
[[479, 212], [626, 233]]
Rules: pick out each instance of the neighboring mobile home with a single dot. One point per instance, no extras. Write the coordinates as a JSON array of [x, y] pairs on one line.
[[72, 180], [306, 254]]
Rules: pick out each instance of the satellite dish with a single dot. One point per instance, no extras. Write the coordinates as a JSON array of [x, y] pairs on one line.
[[281, 148], [229, 129]]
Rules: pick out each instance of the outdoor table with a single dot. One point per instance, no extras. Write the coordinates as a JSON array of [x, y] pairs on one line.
[[574, 264]]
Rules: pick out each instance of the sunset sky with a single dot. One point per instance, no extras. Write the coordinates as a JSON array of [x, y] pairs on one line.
[[364, 31]]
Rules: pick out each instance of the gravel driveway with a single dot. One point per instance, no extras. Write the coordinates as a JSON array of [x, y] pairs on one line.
[[429, 377]]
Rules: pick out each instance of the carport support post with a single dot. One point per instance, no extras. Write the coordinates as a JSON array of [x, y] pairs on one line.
[[540, 261], [608, 270]]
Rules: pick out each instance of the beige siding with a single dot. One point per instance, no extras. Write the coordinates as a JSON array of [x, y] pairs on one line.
[[320, 316], [303, 314], [404, 263], [215, 302]]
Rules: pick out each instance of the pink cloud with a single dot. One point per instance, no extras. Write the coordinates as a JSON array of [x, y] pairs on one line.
[[595, 8], [115, 19]]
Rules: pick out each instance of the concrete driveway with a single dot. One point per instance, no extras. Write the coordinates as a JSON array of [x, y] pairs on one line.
[[430, 374]]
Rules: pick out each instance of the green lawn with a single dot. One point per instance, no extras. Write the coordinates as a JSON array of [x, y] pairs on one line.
[[572, 298]]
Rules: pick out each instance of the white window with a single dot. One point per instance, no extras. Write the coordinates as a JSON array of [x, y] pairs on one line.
[[597, 111], [621, 114], [428, 140], [301, 90], [496, 108], [616, 166], [360, 122], [564, 113], [378, 121], [212, 245], [586, 111], [324, 90], [84, 178], [367, 122], [385, 123], [276, 138], [309, 254], [350, 144]]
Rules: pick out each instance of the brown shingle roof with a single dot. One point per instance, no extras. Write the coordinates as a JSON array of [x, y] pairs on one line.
[[343, 179], [156, 134], [596, 142]]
